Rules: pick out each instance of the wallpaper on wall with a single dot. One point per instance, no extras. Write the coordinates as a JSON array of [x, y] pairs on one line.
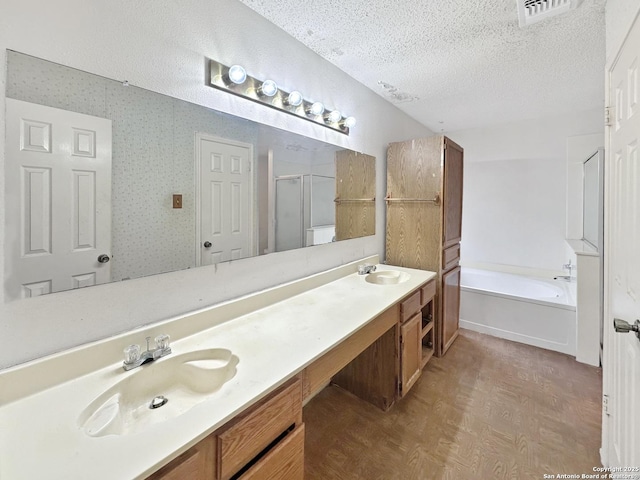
[[153, 157]]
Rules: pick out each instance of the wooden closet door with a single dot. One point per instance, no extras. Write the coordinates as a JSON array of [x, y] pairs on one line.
[[355, 195], [414, 172], [450, 307], [452, 195]]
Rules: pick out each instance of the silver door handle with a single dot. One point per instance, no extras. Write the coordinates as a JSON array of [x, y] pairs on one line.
[[207, 244], [622, 326], [104, 258]]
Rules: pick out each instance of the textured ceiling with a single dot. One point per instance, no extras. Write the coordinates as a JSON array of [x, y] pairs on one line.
[[456, 64]]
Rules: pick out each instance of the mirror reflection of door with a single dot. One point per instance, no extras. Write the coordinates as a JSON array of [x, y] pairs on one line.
[[224, 200], [58, 169]]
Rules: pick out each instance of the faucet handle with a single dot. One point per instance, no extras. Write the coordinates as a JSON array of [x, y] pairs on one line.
[[162, 341], [131, 354], [365, 268]]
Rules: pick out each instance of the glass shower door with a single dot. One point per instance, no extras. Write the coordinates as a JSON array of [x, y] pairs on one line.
[[289, 214]]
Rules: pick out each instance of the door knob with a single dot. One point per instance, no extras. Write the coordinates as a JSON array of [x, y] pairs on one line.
[[207, 244], [622, 326], [104, 258]]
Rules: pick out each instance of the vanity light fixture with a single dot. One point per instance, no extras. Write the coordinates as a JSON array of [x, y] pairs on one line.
[[268, 93]]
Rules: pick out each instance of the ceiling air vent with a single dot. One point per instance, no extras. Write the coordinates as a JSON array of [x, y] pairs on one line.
[[532, 11]]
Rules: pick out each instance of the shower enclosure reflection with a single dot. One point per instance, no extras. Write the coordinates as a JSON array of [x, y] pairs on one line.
[[304, 211]]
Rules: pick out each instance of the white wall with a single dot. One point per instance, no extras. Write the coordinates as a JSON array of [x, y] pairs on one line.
[[162, 46], [514, 202], [619, 16]]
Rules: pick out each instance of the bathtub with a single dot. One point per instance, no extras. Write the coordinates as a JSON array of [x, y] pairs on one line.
[[530, 310]]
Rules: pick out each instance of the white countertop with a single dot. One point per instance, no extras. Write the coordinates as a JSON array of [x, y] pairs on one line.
[[40, 432], [580, 247]]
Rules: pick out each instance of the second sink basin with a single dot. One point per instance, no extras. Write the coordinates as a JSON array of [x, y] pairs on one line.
[[387, 277], [182, 380]]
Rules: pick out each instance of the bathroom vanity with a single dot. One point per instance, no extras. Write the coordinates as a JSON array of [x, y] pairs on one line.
[[364, 332]]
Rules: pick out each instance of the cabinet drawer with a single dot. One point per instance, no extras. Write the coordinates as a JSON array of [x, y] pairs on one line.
[[410, 306], [254, 431], [197, 463], [450, 257], [427, 292], [284, 462]]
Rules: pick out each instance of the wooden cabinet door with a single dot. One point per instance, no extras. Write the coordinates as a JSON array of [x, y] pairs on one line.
[[411, 352], [452, 195], [197, 463], [450, 307]]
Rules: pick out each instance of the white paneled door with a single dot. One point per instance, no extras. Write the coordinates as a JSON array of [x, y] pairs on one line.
[[225, 194], [621, 416], [58, 200]]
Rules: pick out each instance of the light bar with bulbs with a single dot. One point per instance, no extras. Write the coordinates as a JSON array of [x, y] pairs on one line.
[[234, 79]]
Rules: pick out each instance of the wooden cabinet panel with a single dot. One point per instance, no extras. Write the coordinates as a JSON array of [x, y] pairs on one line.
[[410, 306], [408, 174], [452, 195], [355, 195], [427, 293], [373, 375], [413, 235], [197, 463], [284, 462], [255, 430], [422, 233], [450, 307], [318, 374], [411, 352], [450, 257]]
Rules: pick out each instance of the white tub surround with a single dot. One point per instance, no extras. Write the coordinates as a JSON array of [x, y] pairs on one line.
[[275, 333], [531, 310]]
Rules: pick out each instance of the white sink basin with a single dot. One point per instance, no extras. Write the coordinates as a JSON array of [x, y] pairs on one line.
[[387, 277], [183, 380]]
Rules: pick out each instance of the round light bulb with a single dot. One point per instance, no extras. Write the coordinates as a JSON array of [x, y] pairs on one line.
[[349, 122], [294, 99], [268, 88], [316, 109], [334, 116], [237, 74]]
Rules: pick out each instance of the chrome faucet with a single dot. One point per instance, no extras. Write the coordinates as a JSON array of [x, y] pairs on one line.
[[133, 358], [366, 268], [568, 266]]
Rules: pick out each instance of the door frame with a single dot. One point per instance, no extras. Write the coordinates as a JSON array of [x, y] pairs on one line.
[[199, 136], [607, 357]]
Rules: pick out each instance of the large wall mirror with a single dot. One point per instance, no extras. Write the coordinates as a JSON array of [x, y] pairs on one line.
[[108, 182]]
